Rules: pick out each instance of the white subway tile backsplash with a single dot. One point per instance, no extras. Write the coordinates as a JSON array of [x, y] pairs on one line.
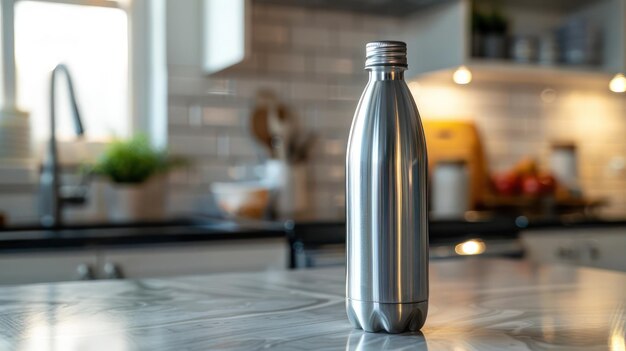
[[334, 147], [216, 172], [243, 146], [337, 121], [308, 91], [313, 60], [330, 173], [344, 92], [331, 65], [18, 174], [19, 208], [328, 202], [271, 35], [280, 14], [355, 40], [184, 202], [318, 38], [334, 19], [195, 115], [193, 145], [223, 145], [286, 63], [178, 115], [222, 116], [247, 88], [178, 177], [384, 25]]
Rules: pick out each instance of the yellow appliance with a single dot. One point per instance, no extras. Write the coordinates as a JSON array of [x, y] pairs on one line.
[[458, 140]]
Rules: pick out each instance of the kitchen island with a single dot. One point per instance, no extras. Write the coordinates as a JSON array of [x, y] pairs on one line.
[[475, 304]]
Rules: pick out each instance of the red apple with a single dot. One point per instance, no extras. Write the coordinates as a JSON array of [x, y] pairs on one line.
[[531, 186], [506, 183]]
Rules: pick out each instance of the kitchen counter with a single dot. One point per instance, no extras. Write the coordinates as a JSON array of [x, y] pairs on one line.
[[475, 305], [125, 234]]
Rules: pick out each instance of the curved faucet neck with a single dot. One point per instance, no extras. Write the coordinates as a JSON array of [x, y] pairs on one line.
[[50, 196]]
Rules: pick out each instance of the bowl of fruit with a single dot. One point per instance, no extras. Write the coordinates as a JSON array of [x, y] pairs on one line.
[[524, 180], [526, 189]]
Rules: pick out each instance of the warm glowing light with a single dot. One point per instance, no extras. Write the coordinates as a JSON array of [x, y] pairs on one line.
[[618, 83], [462, 75], [470, 247]]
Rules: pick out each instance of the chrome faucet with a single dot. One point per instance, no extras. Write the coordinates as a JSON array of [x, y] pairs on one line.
[[51, 198]]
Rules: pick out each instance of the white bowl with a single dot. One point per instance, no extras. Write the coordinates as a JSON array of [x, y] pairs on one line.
[[241, 199]]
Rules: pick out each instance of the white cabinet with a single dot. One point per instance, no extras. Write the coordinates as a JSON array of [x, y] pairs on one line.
[[162, 261], [40, 267], [226, 33], [144, 261], [592, 247]]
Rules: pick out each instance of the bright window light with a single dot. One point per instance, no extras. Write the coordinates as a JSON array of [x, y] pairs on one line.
[[93, 42]]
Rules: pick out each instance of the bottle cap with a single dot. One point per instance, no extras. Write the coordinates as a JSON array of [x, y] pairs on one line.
[[385, 53]]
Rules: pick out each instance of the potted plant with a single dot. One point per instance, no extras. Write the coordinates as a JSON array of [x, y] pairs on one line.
[[479, 23], [136, 171], [494, 42]]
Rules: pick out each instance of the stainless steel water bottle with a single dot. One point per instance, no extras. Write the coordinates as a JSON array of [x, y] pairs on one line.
[[386, 193]]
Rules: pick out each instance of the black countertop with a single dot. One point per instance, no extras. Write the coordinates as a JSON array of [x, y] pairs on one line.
[[308, 232], [108, 234]]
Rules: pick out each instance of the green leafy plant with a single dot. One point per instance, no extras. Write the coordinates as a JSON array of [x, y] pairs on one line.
[[496, 23], [134, 161], [479, 21], [489, 19]]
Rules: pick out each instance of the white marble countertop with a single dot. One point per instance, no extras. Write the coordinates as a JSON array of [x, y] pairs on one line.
[[475, 305]]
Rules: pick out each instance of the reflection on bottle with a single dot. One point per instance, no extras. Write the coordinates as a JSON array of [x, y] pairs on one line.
[[359, 340], [617, 340]]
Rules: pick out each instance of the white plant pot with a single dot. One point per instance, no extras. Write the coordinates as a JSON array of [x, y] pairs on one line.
[[15, 141], [137, 202]]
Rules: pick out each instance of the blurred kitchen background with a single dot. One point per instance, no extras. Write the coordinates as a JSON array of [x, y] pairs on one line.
[[232, 116]]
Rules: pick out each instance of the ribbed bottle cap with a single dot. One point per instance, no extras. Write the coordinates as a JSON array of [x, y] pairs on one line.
[[385, 53]]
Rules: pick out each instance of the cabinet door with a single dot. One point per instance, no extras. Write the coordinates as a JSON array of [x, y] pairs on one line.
[[226, 33], [606, 249], [593, 247], [197, 258], [547, 247], [40, 267]]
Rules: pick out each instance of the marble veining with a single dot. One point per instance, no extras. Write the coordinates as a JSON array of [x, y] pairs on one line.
[[474, 305]]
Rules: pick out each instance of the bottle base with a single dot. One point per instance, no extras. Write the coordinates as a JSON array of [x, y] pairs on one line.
[[388, 317]]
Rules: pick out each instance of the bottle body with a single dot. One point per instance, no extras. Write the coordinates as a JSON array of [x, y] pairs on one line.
[[387, 211]]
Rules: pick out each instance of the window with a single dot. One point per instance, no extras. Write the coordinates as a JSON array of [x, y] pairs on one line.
[[93, 42]]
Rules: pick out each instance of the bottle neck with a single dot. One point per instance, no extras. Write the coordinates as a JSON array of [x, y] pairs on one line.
[[386, 72]]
